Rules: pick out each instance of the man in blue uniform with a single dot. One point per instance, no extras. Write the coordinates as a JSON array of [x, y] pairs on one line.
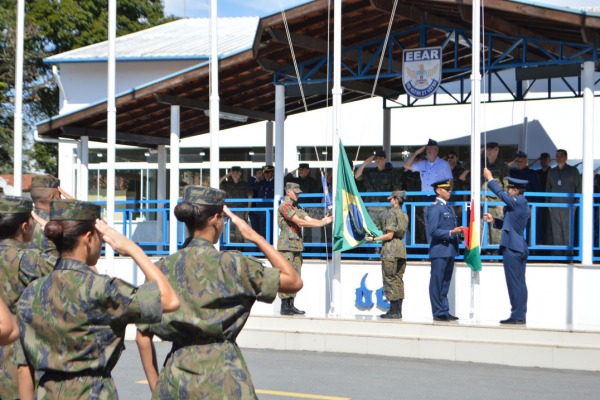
[[512, 242], [443, 234]]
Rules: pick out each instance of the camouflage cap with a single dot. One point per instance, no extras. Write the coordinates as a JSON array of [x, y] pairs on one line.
[[44, 181], [293, 186], [203, 195], [15, 205], [73, 210], [398, 194]]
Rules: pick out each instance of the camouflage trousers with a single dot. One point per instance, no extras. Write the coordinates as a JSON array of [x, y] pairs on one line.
[[392, 272], [295, 258], [235, 236], [493, 233]]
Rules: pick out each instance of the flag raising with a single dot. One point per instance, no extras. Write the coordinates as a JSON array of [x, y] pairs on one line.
[[472, 251], [352, 223]]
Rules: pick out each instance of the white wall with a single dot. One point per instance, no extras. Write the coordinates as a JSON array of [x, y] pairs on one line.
[[559, 295]]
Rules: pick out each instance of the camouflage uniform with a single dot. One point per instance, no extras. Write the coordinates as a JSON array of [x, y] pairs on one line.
[[216, 291], [18, 267], [237, 190], [40, 241], [73, 325], [499, 171], [290, 242], [393, 254], [375, 180]]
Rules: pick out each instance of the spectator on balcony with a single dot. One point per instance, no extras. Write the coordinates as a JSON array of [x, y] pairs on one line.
[[563, 178], [432, 169], [265, 189], [382, 178], [236, 188]]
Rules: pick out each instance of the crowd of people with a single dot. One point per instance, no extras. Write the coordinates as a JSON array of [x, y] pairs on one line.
[[71, 320]]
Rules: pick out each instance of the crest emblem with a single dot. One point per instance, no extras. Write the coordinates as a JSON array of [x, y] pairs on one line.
[[421, 71]]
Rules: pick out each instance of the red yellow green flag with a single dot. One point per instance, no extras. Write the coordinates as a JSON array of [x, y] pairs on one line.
[[472, 250]]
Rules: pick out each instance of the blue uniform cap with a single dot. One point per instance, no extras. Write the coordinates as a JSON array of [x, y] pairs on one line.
[[432, 142], [521, 154], [444, 184], [516, 183]]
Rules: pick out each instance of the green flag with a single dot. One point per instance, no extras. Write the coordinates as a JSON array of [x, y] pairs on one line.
[[352, 223]]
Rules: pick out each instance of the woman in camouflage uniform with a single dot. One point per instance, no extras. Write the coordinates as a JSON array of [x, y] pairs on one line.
[[393, 254], [19, 265], [217, 290], [73, 320]]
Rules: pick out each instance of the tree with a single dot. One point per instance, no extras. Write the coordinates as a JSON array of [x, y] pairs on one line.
[[52, 27]]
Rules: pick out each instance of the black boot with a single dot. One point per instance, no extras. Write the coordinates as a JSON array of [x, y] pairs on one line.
[[294, 309], [285, 307], [395, 311]]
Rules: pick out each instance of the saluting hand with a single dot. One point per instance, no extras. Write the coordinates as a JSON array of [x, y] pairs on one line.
[[117, 241], [487, 217], [245, 229], [39, 220]]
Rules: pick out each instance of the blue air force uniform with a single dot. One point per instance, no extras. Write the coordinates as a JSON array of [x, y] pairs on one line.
[[440, 219], [514, 247]]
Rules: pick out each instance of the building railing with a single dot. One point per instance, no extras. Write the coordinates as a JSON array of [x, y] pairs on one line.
[[147, 223]]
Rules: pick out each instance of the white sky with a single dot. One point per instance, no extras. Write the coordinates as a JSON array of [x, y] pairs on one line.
[[261, 8]]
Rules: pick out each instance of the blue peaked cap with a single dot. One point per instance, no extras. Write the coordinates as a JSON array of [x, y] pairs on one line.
[[517, 183]]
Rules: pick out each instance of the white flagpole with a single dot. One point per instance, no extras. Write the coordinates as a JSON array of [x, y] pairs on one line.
[[18, 116], [111, 128], [336, 260], [475, 146]]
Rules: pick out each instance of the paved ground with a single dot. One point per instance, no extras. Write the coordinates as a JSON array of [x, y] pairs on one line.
[[286, 375]]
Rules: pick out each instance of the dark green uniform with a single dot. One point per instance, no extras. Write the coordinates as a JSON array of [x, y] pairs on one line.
[[216, 292], [73, 324], [393, 254], [290, 242], [19, 266], [40, 241]]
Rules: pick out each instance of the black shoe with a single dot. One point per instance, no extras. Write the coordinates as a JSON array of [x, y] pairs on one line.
[[389, 315], [294, 309], [286, 309], [512, 321], [444, 318], [452, 317]]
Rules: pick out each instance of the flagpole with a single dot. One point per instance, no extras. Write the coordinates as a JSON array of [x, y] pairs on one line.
[[475, 148], [336, 92]]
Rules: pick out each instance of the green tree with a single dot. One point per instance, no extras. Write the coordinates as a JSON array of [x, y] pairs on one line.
[[53, 27]]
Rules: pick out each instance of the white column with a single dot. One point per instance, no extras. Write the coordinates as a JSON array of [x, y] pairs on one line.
[[269, 142], [475, 146], [161, 186], [84, 175], [280, 143], [174, 187], [214, 98], [111, 128], [587, 184], [387, 132], [335, 306], [18, 116]]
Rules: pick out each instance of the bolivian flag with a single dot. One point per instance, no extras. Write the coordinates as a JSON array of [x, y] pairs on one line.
[[472, 250], [352, 223]]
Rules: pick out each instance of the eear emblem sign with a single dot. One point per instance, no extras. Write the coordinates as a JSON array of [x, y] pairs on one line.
[[421, 71]]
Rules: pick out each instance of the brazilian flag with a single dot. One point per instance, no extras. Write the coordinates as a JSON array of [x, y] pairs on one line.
[[352, 223]]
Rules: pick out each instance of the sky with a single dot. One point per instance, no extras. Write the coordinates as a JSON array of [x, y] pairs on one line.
[[261, 8]]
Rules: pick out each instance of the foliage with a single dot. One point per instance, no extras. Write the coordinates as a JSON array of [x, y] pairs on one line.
[[53, 27]]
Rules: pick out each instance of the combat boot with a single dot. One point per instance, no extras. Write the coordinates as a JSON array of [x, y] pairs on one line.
[[285, 307], [294, 309], [395, 311]]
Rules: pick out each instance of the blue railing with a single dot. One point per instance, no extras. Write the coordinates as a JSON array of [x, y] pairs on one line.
[[147, 223]]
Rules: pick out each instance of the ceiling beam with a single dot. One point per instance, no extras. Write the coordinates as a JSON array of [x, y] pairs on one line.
[[320, 46], [122, 137], [355, 86], [204, 105]]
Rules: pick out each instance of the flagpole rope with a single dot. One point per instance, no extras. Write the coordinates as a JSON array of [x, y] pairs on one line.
[[387, 36], [289, 38]]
